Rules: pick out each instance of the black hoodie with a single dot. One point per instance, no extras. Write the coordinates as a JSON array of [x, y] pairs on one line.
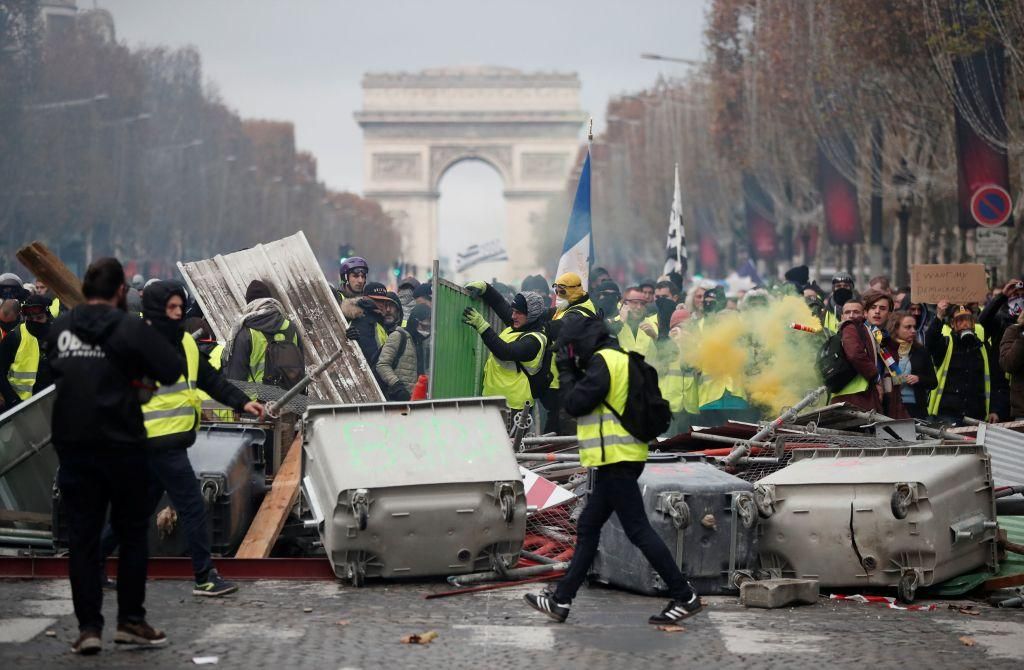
[[96, 353], [583, 377]]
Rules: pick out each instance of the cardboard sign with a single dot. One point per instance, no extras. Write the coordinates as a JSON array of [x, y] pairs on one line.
[[959, 283]]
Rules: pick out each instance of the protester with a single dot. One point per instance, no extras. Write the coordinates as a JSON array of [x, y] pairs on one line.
[[353, 273], [406, 290], [595, 383], [647, 289], [171, 418], [572, 303], [962, 362], [606, 299], [366, 320], [515, 367], [862, 391], [877, 308], [419, 328], [633, 328], [842, 290], [100, 355], [264, 346], [917, 374], [1011, 358], [24, 363], [423, 294], [397, 366], [10, 316]]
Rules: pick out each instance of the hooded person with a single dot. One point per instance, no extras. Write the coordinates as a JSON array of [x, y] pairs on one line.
[[396, 367], [418, 326], [606, 297], [842, 290], [516, 365], [595, 384], [406, 294], [171, 418], [263, 322], [366, 316], [24, 364]]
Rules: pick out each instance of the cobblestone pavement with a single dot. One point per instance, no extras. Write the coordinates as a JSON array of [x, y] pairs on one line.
[[266, 625]]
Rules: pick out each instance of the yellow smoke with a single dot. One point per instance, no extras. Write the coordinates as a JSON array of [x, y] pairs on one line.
[[758, 352]]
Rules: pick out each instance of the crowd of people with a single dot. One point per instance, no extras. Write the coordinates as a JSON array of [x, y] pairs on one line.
[[134, 363]]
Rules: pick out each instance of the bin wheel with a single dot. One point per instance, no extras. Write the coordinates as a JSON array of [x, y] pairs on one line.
[[906, 589], [764, 502], [357, 575], [363, 518], [900, 501]]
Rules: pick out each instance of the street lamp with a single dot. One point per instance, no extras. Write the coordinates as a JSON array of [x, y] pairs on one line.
[[672, 59], [903, 180]]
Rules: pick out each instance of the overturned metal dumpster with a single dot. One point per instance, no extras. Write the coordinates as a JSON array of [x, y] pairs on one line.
[[27, 459], [413, 489]]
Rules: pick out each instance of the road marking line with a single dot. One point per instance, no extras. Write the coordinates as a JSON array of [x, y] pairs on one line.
[[740, 634], [534, 638], [22, 629]]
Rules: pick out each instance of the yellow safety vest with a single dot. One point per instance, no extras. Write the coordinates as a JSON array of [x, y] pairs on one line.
[[509, 378], [55, 307], [830, 322], [258, 354], [175, 408], [23, 371], [641, 342], [580, 308], [216, 355], [602, 437], [936, 395]]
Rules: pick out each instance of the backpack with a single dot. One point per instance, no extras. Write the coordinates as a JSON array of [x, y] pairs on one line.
[[836, 372], [283, 366], [646, 414]]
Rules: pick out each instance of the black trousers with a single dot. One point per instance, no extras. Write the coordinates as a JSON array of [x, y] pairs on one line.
[[90, 481], [616, 490]]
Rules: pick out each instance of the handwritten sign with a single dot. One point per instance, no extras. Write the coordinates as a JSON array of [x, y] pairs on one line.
[[959, 283]]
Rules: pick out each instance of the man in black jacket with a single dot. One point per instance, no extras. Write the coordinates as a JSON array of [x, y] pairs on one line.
[[169, 467], [99, 355]]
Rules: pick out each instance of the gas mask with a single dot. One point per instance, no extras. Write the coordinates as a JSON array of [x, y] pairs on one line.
[[968, 337]]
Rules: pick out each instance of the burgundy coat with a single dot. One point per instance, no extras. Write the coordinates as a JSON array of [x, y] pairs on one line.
[[860, 352]]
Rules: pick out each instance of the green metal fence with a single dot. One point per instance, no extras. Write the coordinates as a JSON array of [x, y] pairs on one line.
[[457, 355]]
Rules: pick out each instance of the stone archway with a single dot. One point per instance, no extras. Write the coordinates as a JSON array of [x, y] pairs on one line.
[[417, 125]]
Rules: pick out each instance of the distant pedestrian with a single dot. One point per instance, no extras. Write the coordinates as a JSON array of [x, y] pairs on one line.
[[100, 357]]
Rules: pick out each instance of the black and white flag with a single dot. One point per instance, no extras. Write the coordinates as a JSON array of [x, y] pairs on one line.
[[675, 248]]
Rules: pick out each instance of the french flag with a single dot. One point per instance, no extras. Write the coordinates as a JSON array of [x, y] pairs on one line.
[[578, 250]]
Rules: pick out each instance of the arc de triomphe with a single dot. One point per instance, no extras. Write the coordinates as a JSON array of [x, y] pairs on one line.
[[417, 125]]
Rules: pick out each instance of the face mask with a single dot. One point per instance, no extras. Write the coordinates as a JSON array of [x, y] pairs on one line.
[[1016, 307], [37, 330], [968, 337], [561, 303], [841, 295], [424, 332]]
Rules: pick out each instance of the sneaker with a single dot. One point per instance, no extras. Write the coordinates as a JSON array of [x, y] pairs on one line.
[[213, 586], [677, 610], [87, 644], [139, 633], [546, 603]]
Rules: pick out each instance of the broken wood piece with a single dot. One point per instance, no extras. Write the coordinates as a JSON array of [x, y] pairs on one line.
[[45, 265], [270, 518], [419, 638]]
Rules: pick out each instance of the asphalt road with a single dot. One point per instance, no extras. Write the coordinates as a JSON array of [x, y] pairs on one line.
[[266, 625]]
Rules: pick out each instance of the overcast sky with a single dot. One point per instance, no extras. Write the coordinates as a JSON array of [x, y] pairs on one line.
[[302, 60]]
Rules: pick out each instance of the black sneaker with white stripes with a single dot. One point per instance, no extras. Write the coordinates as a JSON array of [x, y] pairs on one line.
[[677, 610], [546, 603]]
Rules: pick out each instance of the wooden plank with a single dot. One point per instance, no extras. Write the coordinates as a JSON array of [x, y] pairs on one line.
[[36, 518], [270, 518], [45, 265]]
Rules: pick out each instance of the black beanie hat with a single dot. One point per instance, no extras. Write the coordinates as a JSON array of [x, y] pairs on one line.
[[257, 290]]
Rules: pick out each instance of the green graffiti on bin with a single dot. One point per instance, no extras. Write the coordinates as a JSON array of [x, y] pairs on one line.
[[458, 353]]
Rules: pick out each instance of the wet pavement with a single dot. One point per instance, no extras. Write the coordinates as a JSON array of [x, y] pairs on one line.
[[267, 625]]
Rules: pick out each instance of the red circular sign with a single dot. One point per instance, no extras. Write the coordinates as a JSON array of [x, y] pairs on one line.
[[991, 206]]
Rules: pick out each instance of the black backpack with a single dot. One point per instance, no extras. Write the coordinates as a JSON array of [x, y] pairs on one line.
[[836, 372], [283, 366], [646, 414]]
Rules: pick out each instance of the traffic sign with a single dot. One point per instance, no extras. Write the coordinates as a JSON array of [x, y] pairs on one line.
[[991, 206], [991, 245]]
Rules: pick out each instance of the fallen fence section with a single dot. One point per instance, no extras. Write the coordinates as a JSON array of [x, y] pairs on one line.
[[289, 267]]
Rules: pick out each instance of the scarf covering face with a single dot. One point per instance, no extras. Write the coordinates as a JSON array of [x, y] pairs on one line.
[[258, 307]]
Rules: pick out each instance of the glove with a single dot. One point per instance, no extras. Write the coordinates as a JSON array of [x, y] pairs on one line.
[[473, 318], [476, 289], [398, 393], [368, 305], [352, 333]]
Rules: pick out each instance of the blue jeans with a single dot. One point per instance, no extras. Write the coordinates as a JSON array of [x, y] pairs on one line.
[[171, 471], [90, 481], [616, 490]]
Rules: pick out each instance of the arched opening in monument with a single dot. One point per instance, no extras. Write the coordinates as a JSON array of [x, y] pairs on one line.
[[471, 222]]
